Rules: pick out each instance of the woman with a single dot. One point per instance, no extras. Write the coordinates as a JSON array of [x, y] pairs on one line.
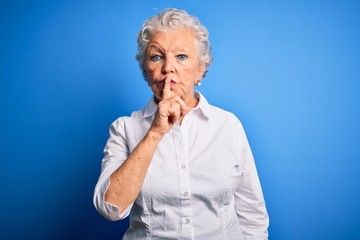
[[180, 167]]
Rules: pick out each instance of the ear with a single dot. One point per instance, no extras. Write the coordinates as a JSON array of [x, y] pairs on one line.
[[202, 71]]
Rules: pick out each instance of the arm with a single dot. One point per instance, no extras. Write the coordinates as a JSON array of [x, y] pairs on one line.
[[249, 200], [125, 183]]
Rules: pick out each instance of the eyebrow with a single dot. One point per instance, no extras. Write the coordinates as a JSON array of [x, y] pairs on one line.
[[156, 46]]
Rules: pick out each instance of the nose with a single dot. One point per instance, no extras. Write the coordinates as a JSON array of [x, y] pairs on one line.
[[168, 66]]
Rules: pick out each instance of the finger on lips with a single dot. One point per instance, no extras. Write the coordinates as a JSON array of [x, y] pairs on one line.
[[166, 89], [176, 104]]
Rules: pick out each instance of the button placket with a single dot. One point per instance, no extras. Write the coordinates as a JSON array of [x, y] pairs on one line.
[[184, 181]]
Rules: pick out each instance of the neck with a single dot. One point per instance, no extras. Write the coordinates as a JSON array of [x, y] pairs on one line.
[[192, 101]]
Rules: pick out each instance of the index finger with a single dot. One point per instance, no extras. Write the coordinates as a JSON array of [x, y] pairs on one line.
[[166, 89]]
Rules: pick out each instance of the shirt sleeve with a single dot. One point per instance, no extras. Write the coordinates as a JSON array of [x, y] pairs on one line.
[[115, 153], [249, 201]]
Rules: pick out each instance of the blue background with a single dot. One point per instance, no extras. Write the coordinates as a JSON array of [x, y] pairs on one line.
[[290, 70]]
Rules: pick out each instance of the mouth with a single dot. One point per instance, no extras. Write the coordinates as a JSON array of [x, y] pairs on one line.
[[162, 82]]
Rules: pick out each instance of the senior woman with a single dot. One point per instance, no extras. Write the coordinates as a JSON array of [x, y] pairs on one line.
[[180, 167]]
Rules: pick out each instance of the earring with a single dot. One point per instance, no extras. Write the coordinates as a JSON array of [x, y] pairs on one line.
[[198, 83]]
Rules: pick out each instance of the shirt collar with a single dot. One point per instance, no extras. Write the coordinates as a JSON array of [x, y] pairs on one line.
[[150, 108], [203, 106]]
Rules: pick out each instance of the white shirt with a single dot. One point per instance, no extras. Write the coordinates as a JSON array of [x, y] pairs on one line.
[[202, 182]]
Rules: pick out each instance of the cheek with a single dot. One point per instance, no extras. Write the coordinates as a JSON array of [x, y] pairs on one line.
[[151, 72], [155, 88], [153, 85]]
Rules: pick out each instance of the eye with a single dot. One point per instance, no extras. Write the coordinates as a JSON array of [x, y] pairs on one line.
[[182, 57], [155, 58]]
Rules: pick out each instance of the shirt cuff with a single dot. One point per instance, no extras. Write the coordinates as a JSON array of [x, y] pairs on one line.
[[110, 211]]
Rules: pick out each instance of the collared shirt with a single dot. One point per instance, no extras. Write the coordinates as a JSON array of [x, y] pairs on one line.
[[202, 182]]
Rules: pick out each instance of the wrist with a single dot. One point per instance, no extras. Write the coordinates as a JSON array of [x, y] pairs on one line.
[[154, 135]]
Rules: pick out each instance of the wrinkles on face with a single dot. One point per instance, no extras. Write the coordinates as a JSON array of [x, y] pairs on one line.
[[173, 54]]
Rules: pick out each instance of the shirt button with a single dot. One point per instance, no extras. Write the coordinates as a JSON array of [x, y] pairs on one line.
[[187, 220], [183, 166], [186, 194]]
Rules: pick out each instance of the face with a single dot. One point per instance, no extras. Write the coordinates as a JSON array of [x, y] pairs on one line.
[[173, 55]]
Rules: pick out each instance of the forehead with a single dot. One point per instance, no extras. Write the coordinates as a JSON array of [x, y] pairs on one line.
[[173, 39]]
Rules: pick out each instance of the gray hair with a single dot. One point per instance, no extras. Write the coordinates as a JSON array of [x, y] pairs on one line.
[[171, 19]]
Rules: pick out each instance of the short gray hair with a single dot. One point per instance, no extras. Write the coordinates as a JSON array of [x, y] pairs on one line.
[[171, 19]]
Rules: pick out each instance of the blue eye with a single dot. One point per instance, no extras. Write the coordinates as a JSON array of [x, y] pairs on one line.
[[182, 57], [155, 58]]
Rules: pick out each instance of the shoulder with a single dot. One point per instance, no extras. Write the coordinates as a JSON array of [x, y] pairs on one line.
[[213, 112], [225, 116], [218, 116], [123, 121]]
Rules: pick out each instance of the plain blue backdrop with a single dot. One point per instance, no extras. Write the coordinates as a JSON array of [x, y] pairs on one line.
[[290, 70]]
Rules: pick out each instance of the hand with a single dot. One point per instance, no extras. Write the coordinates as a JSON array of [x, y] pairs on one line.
[[170, 110]]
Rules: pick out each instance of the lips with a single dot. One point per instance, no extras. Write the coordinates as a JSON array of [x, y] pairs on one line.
[[161, 83], [172, 81]]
